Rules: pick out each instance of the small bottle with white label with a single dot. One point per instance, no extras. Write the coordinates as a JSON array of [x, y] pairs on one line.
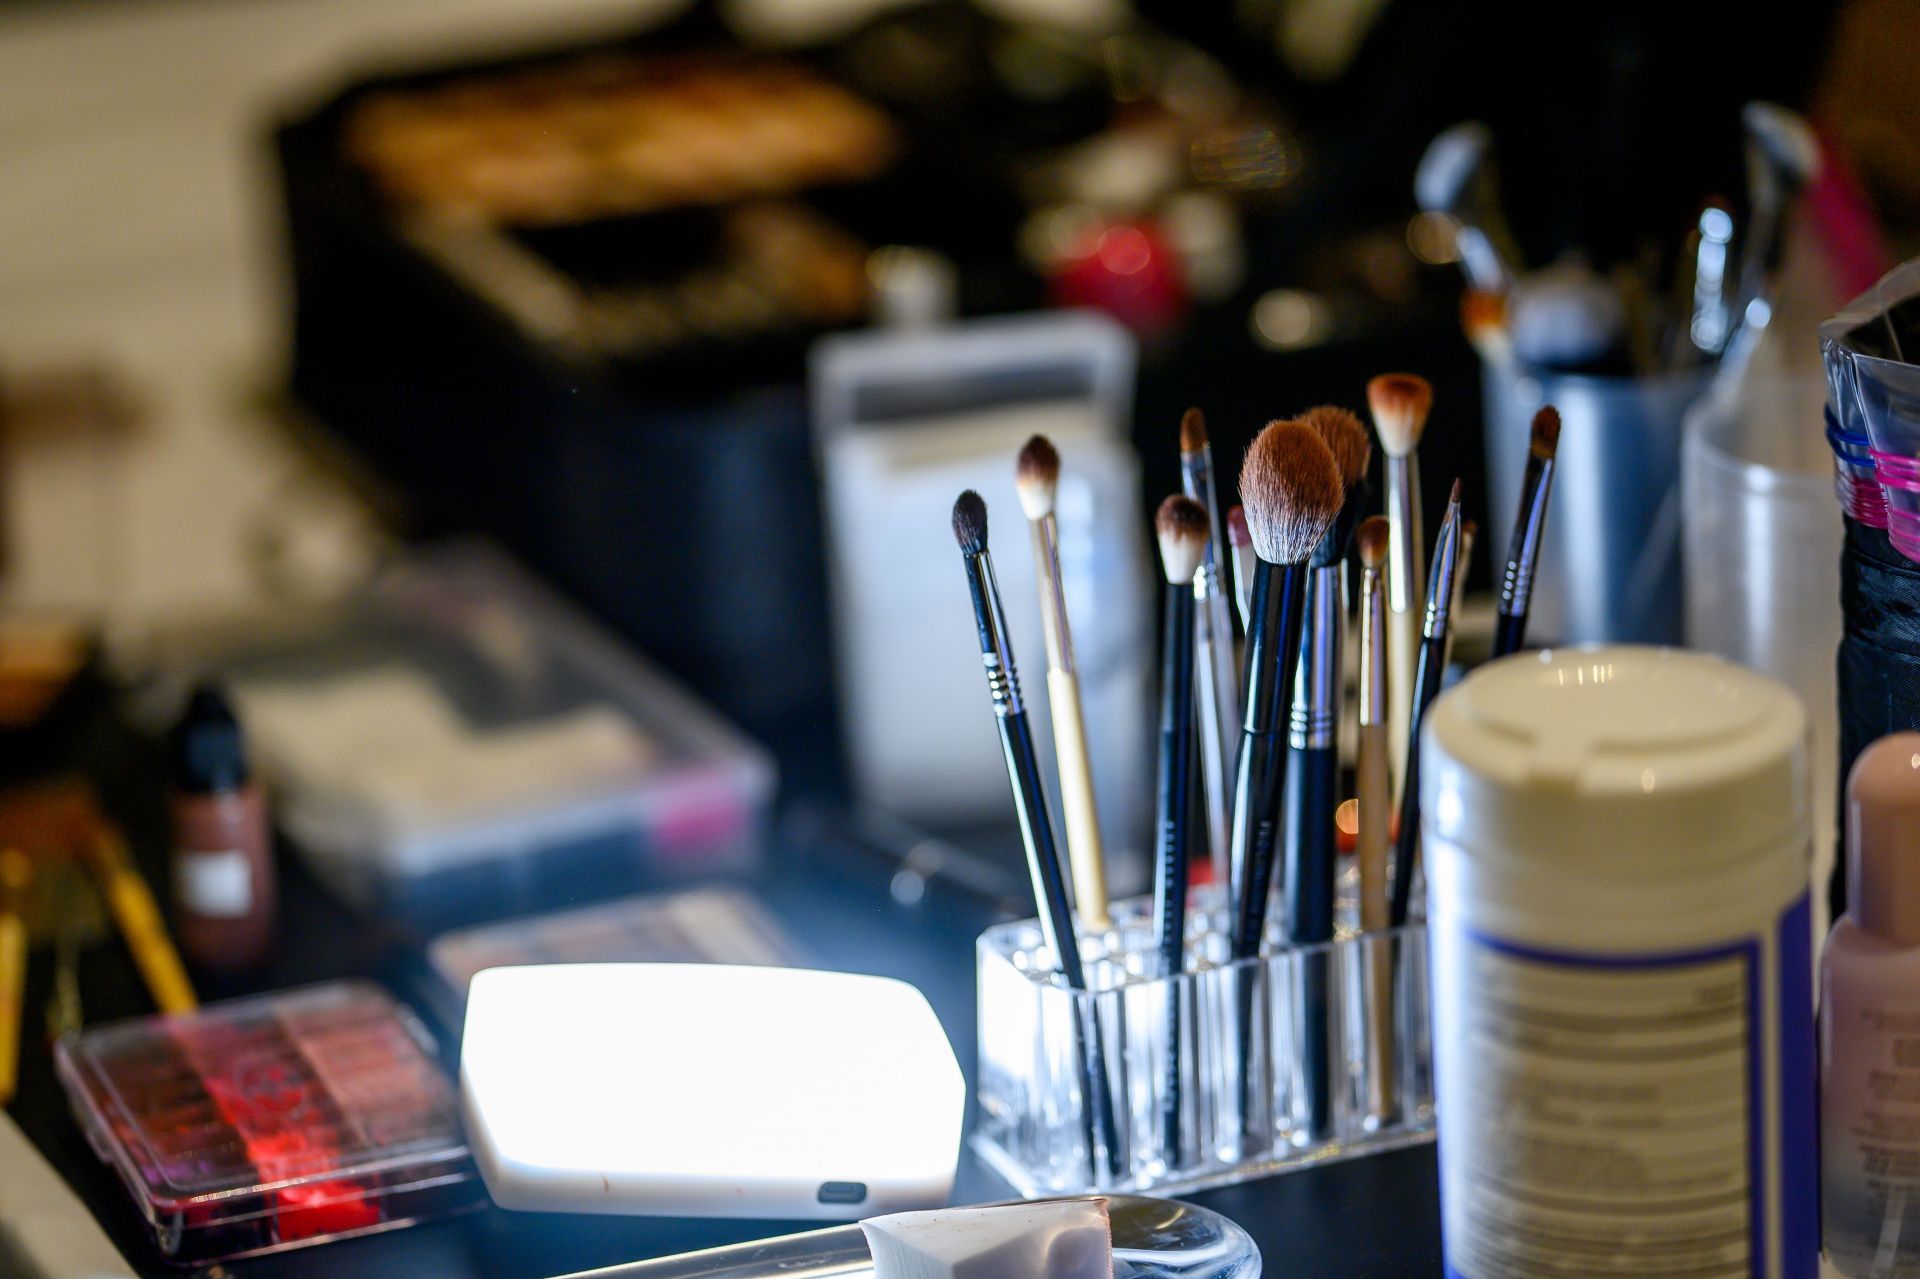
[[1870, 1026], [223, 878]]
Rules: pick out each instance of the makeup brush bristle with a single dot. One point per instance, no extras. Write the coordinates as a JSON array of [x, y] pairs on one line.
[[1453, 497], [1292, 491], [1035, 477], [1181, 525], [1237, 534], [970, 523], [1546, 432], [1345, 437], [1482, 312], [1193, 431], [1399, 403], [1372, 538]]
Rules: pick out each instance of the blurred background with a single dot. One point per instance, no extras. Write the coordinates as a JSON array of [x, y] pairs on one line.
[[694, 315]]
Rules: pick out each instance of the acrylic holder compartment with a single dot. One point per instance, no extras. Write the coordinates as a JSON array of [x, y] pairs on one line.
[[1250, 1101]]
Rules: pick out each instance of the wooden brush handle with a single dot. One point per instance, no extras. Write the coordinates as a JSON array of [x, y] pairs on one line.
[[13, 988], [1076, 799], [140, 923], [1374, 788]]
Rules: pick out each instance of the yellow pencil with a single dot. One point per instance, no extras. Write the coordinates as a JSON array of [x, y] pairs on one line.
[[16, 876], [138, 917]]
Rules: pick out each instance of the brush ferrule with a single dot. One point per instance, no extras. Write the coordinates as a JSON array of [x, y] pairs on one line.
[[1315, 716], [1053, 600], [996, 652], [1403, 534], [1440, 585], [1373, 649]]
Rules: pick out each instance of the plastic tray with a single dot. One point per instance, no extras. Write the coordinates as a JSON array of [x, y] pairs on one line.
[[1152, 1239]]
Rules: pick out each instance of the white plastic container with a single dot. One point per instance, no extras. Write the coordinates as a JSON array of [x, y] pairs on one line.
[[1616, 843]]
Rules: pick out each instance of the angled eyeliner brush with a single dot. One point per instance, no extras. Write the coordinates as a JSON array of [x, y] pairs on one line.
[[1030, 803], [1313, 758], [1291, 489], [1181, 526], [1433, 647], [1529, 525], [1217, 672]]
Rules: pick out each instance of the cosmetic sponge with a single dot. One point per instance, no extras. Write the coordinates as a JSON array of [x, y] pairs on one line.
[[1057, 1239]]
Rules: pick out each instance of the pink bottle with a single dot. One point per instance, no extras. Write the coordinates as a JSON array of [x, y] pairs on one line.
[[1870, 1026]]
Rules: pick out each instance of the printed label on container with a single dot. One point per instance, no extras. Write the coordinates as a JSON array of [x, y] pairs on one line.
[[219, 884], [1870, 1178], [1605, 1117]]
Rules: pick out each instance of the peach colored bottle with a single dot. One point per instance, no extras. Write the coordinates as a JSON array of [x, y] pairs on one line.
[[223, 874], [1870, 1027]]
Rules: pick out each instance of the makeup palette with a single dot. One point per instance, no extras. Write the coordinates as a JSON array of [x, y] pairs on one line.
[[272, 1122]]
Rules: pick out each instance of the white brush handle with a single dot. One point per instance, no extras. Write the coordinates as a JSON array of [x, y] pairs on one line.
[[1076, 799], [1406, 598]]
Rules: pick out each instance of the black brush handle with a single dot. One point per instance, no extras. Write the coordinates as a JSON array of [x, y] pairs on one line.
[[1509, 633], [1260, 781], [1056, 922], [1406, 846], [1310, 871], [1172, 829]]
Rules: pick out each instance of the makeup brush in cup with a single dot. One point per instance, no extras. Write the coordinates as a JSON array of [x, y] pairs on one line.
[[1456, 177], [1030, 804], [1291, 488], [1484, 316], [1036, 476], [1400, 403], [1373, 789], [1433, 646], [1182, 528], [1313, 761], [1529, 524], [1241, 543], [1215, 667]]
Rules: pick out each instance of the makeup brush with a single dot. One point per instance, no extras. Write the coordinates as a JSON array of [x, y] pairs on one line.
[[1484, 316], [1292, 491], [1456, 177], [1313, 761], [1036, 476], [1433, 644], [1243, 560], [1219, 680], [1782, 156], [1529, 524], [1182, 527], [1030, 804], [1400, 403], [1291, 487], [1373, 788]]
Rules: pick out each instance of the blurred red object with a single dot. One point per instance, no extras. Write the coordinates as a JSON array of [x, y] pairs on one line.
[[1127, 269]]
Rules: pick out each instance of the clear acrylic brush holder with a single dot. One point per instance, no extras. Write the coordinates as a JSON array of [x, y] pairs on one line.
[[1250, 1098]]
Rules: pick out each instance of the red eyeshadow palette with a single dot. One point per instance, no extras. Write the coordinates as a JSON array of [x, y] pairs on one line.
[[272, 1122]]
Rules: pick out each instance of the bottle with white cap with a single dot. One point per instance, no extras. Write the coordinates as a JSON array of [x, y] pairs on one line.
[[1870, 1026], [1616, 843]]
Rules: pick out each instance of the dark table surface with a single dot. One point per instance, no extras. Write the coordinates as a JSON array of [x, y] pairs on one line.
[[1376, 1216]]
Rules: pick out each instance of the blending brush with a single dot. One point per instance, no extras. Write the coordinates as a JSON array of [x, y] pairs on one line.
[[1433, 646], [1313, 760], [1400, 403], [1484, 316], [1529, 523], [1030, 805], [1182, 526], [1217, 672], [1036, 476], [1291, 487], [1373, 789], [1243, 561]]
